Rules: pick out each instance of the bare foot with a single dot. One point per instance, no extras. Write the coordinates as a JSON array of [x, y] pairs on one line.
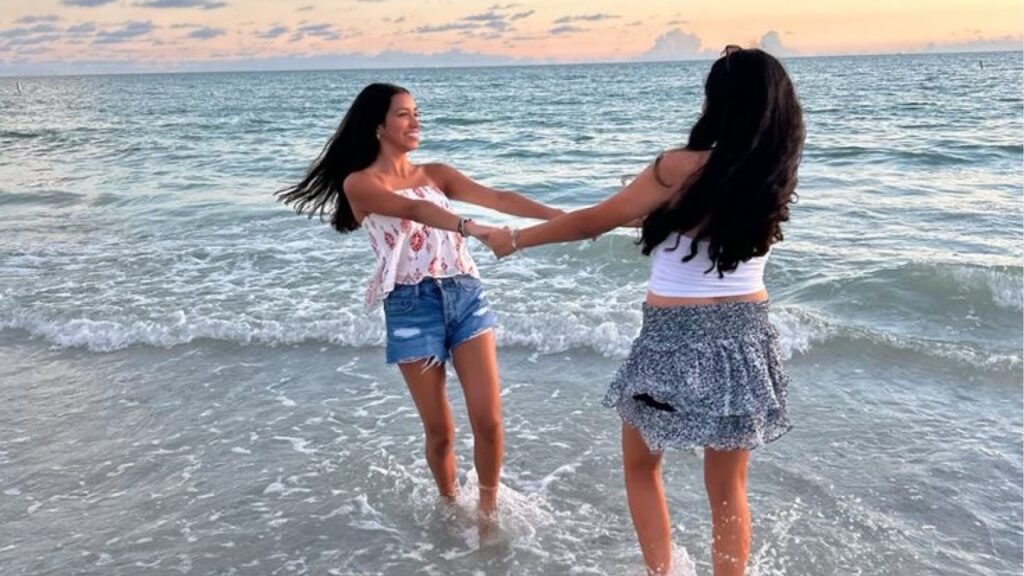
[[451, 495], [488, 505], [487, 515]]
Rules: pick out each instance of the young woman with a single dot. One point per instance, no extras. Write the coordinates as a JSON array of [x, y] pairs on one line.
[[705, 371], [434, 305]]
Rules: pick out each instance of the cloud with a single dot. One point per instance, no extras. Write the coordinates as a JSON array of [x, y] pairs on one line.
[[32, 40], [272, 32], [567, 29], [81, 29], [432, 29], [128, 31], [485, 17], [85, 3], [676, 44], [204, 4], [305, 8], [33, 50], [771, 43], [321, 31], [205, 33], [21, 32], [497, 23], [491, 24], [37, 19], [585, 18]]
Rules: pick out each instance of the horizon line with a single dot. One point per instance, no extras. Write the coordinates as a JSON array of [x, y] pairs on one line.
[[700, 58]]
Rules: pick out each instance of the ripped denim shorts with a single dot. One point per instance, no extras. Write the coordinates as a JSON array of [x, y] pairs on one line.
[[426, 321]]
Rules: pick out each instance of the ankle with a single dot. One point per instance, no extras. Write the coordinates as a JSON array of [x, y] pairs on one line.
[[451, 494]]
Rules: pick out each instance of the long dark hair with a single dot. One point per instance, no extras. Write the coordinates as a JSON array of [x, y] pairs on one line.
[[353, 147], [738, 200]]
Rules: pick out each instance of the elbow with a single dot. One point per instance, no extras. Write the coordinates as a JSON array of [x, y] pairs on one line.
[[413, 210], [503, 201]]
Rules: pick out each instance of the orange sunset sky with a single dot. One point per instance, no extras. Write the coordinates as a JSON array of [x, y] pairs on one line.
[[63, 36]]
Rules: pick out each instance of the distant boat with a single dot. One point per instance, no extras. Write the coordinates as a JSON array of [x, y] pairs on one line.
[[19, 88]]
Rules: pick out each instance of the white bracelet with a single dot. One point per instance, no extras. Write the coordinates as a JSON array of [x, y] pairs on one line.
[[514, 234]]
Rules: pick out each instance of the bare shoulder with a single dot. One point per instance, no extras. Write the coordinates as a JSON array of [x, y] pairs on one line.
[[678, 164], [437, 172], [442, 175], [355, 181], [361, 180]]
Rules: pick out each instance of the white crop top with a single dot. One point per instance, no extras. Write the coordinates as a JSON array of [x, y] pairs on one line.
[[407, 251], [672, 277]]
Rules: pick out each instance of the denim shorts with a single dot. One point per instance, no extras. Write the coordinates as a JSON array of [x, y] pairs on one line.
[[426, 321]]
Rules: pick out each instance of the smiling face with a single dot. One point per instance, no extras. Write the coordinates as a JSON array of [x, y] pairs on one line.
[[401, 127]]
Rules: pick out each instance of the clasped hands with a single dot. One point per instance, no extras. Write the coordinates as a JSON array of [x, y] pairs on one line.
[[499, 240]]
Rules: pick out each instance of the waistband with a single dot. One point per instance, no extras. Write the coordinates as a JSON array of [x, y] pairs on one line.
[[432, 284], [730, 319]]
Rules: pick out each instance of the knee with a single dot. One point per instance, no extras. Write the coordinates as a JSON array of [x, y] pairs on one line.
[[487, 430], [726, 487], [440, 441], [638, 463]]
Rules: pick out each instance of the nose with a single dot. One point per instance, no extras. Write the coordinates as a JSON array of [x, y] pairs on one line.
[[415, 122]]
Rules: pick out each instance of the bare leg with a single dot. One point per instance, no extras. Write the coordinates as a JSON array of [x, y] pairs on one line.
[[646, 497], [426, 384], [476, 363], [725, 476]]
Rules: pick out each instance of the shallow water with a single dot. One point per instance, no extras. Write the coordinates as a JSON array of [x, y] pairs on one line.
[[188, 382]]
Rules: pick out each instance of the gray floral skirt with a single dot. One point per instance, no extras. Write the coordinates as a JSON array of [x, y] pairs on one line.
[[704, 376]]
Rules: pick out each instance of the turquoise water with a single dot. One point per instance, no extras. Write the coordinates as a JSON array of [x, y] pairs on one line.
[[188, 381]]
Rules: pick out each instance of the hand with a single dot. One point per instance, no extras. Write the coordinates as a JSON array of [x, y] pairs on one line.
[[499, 241], [479, 230], [489, 235]]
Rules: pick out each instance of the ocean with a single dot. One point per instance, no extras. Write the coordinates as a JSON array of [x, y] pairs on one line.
[[189, 383]]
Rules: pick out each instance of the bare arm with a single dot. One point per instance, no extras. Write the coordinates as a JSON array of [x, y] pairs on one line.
[[370, 197], [458, 187], [647, 192]]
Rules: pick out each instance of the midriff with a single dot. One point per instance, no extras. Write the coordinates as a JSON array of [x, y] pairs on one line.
[[673, 301]]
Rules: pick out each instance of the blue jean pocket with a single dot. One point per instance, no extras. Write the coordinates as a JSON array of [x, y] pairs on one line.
[[468, 283], [398, 304]]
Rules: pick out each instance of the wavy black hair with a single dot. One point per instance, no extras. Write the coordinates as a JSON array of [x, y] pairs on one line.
[[353, 147], [753, 126]]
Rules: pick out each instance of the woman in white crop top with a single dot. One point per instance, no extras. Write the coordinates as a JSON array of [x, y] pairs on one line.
[[705, 371], [434, 304]]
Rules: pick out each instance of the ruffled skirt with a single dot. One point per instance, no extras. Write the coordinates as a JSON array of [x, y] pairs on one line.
[[704, 376]]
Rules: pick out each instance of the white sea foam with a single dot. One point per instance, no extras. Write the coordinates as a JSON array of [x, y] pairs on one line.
[[1005, 287], [608, 332], [799, 329]]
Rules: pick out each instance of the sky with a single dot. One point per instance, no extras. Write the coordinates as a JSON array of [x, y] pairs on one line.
[[82, 36]]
